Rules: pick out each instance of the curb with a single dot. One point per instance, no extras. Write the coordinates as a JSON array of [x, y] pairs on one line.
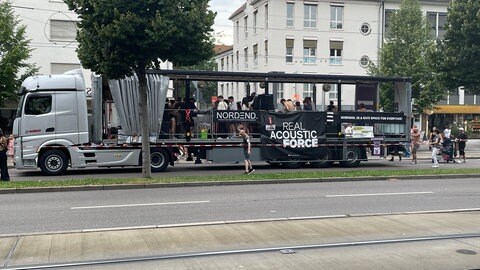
[[246, 221], [232, 183]]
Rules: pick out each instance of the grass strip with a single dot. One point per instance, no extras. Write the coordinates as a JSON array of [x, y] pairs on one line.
[[225, 178]]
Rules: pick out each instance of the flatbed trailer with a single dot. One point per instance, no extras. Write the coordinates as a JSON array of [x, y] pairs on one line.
[[44, 139]]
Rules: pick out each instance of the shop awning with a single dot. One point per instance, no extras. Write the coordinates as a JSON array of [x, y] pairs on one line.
[[454, 109]]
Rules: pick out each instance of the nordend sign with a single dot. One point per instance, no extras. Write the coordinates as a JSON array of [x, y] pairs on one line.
[[235, 116]]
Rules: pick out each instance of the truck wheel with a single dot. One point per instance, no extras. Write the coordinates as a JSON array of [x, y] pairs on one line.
[[352, 158], [53, 162], [158, 160]]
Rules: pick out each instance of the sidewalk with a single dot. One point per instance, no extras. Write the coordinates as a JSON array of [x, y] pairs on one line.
[[281, 236]]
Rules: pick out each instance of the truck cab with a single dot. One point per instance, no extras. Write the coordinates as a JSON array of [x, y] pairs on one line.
[[51, 117]]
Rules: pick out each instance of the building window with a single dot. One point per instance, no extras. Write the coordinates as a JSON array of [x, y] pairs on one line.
[[266, 17], [336, 48], [63, 30], [245, 26], [336, 17], [388, 20], [289, 54], [309, 51], [310, 16], [290, 13], [307, 90], [333, 93], [238, 60], [364, 61], [255, 55], [255, 15], [245, 58], [222, 64], [266, 52], [280, 92], [437, 21], [365, 29], [60, 68]]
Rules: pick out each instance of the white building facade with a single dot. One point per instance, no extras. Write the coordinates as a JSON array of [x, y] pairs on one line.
[[312, 36], [51, 27]]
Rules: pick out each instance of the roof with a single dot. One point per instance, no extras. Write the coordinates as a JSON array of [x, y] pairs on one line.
[[238, 11], [273, 77], [219, 49]]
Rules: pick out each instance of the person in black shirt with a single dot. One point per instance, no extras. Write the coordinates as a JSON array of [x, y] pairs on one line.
[[3, 157], [462, 141]]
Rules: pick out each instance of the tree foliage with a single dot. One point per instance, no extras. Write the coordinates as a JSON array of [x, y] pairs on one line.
[[460, 51], [408, 51], [121, 37], [14, 51]]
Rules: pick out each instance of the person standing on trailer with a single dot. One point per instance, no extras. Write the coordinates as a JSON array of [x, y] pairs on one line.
[[247, 150]]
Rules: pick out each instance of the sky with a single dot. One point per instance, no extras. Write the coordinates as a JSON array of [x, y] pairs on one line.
[[223, 27]]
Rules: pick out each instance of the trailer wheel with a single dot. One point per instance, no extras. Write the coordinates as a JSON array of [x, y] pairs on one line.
[[292, 164], [352, 157], [53, 162], [324, 162], [158, 160]]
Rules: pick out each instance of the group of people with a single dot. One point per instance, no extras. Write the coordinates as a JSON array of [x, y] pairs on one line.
[[290, 106], [444, 143], [6, 152], [441, 144]]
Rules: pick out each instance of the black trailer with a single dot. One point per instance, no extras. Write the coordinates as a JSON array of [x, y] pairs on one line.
[[295, 138]]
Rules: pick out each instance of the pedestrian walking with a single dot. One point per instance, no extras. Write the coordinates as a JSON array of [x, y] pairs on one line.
[[415, 143], [462, 141], [247, 150], [3, 157], [435, 143]]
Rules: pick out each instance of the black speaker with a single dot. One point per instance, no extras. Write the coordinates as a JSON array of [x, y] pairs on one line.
[[264, 102]]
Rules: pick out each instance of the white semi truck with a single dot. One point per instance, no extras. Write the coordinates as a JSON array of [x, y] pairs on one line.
[[57, 126]]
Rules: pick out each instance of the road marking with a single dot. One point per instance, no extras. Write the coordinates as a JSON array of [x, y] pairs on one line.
[[135, 205], [379, 194]]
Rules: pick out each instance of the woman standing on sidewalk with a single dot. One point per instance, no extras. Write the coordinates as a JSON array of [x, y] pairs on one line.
[[3, 157]]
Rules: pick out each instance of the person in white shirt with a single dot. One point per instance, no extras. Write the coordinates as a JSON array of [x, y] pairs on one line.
[[222, 126], [447, 132]]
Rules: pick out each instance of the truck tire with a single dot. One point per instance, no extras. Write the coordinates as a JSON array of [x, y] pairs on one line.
[[159, 160], [53, 162], [352, 156]]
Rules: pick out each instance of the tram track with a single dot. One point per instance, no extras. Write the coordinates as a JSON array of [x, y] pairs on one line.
[[283, 249]]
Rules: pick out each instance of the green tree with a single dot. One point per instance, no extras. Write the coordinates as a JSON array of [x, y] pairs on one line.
[[409, 51], [14, 51], [460, 51], [121, 37]]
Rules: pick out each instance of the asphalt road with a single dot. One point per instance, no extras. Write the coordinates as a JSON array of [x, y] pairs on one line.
[[66, 211]]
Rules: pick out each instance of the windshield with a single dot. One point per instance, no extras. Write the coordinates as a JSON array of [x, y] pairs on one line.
[[20, 106]]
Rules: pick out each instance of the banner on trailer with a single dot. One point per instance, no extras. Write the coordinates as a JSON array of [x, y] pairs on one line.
[[293, 136], [371, 118]]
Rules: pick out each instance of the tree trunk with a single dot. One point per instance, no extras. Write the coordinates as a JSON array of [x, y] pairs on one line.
[[144, 122]]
